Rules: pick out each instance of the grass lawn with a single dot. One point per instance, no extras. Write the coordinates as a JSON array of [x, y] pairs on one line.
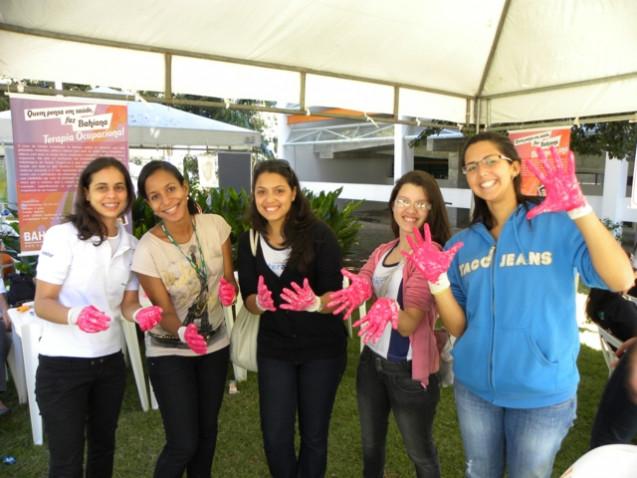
[[239, 449]]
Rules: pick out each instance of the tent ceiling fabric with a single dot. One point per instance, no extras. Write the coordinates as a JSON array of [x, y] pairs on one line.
[[424, 58]]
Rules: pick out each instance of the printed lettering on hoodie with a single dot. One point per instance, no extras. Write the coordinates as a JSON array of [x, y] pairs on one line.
[[512, 259]]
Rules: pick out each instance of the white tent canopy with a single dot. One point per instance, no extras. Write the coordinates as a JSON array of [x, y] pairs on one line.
[[495, 61]]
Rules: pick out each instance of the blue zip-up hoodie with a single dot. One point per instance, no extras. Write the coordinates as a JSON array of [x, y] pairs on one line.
[[520, 346]]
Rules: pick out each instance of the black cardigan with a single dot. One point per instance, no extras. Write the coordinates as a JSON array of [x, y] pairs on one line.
[[289, 335]]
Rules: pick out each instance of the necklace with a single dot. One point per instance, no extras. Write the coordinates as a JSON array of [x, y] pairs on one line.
[[201, 270]]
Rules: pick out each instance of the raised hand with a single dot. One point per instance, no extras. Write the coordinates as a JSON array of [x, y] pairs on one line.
[[227, 292], [264, 296], [89, 319], [563, 192], [190, 335], [373, 324], [300, 298], [147, 317], [427, 257], [359, 290]]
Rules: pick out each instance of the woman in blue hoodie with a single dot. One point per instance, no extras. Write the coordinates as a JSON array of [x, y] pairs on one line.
[[509, 297]]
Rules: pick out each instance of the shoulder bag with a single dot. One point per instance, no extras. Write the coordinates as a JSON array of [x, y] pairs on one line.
[[243, 339]]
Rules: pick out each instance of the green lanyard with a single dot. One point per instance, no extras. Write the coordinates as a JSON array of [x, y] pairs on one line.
[[202, 271]]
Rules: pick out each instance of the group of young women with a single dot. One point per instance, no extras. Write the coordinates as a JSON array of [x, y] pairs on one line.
[[507, 295]]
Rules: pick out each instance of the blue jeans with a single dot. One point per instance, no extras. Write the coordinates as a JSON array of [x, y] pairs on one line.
[[524, 440], [382, 386], [189, 391], [308, 388]]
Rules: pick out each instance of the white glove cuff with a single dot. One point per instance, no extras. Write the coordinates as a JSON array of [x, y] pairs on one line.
[[315, 306], [73, 314], [181, 333], [135, 314], [440, 285], [580, 211]]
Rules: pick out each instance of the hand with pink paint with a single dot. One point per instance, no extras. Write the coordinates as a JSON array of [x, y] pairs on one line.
[[358, 291], [147, 317], [430, 260], [190, 335], [89, 319], [563, 192], [264, 296], [373, 324], [300, 298], [227, 292]]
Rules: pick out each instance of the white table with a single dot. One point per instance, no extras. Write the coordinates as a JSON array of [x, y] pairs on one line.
[[26, 329]]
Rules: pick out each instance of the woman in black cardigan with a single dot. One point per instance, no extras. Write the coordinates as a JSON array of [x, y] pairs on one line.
[[301, 351]]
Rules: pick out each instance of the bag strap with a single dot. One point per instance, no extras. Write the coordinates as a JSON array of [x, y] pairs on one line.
[[254, 240]]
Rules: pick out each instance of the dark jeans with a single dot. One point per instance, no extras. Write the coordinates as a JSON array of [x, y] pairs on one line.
[[78, 396], [189, 391], [308, 388], [382, 386], [616, 419]]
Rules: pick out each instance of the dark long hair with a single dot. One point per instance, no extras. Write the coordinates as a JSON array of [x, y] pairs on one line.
[[84, 217], [437, 216], [504, 145], [297, 232], [151, 168]]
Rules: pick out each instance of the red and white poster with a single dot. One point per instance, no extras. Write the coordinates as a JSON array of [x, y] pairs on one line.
[[54, 139], [525, 142]]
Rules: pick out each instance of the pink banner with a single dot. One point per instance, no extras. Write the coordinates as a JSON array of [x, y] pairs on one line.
[[54, 139]]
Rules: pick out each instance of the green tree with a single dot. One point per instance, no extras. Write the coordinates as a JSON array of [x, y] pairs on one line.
[[618, 139]]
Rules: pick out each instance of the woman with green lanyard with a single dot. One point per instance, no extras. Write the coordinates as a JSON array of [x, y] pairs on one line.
[[184, 264]]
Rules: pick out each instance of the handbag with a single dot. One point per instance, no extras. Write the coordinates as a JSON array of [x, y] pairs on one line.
[[243, 339]]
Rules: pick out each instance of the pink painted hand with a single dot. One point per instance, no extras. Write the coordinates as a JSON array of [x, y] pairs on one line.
[[300, 298], [190, 335], [227, 292], [373, 324], [89, 319], [358, 291], [147, 317], [427, 256], [264, 296], [563, 192]]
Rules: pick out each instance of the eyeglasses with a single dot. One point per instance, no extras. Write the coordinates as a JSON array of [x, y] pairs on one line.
[[488, 162], [402, 203]]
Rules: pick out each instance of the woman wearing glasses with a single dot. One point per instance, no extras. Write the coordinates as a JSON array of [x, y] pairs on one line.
[[509, 295], [397, 368]]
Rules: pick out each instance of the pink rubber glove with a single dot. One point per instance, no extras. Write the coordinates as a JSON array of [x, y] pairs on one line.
[[264, 296], [300, 298], [563, 192], [427, 257], [190, 335], [89, 319], [227, 292], [147, 317], [358, 291], [373, 324]]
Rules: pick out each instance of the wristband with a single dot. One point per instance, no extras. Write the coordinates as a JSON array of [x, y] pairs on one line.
[[181, 333], [135, 314], [315, 306], [73, 314], [580, 211], [439, 285]]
